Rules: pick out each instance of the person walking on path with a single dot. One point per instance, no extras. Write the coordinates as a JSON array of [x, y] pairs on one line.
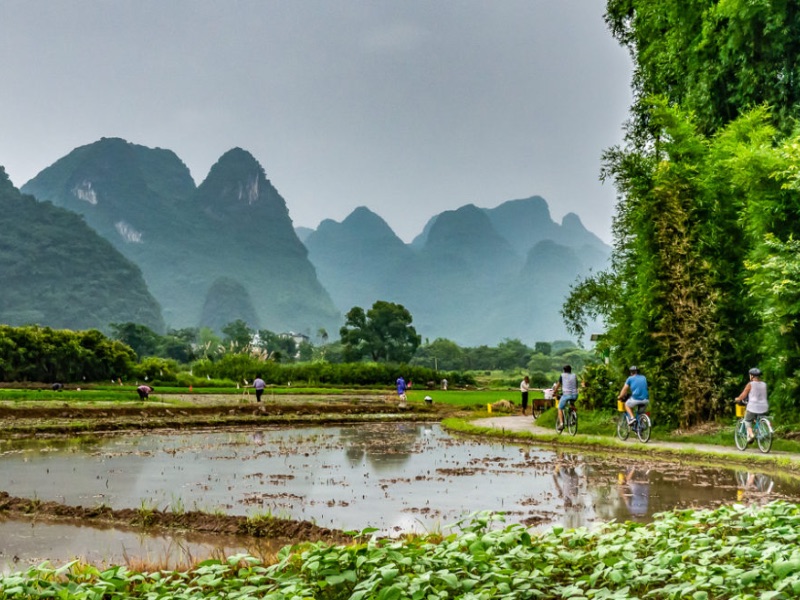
[[756, 393], [524, 388], [568, 384], [259, 386], [636, 385]]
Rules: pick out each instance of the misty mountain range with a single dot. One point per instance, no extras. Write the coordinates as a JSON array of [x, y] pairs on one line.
[[227, 250]]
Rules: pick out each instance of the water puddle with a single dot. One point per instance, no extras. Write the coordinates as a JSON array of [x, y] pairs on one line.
[[396, 477], [27, 543]]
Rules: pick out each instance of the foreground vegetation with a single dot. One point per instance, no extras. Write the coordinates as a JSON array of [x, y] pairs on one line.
[[733, 552]]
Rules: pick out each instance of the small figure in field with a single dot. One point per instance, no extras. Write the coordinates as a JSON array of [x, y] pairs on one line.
[[568, 383], [401, 388], [756, 393], [57, 387], [259, 386], [144, 391], [444, 384], [524, 388]]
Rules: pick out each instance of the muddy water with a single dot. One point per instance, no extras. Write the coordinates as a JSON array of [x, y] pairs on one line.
[[25, 543], [396, 477]]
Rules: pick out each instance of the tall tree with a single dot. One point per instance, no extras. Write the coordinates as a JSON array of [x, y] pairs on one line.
[[384, 333], [716, 58]]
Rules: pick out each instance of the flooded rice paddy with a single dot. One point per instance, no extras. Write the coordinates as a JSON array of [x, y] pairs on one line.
[[394, 477]]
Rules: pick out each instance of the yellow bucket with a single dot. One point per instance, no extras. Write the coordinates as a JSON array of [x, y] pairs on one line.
[[555, 402], [620, 406], [489, 408], [740, 410]]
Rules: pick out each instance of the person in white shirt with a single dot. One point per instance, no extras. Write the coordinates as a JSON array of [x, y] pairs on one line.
[[756, 393], [524, 388], [568, 384]]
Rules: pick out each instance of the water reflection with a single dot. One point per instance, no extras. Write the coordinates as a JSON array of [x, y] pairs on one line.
[[635, 491], [396, 444], [396, 477], [753, 484]]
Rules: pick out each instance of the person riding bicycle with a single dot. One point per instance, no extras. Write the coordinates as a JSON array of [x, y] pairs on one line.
[[756, 393], [636, 385], [568, 382]]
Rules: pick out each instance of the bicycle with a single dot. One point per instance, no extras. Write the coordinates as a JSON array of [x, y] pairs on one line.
[[641, 424], [570, 419], [762, 431]]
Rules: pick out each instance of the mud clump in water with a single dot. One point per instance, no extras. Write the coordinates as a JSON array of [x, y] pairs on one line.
[[196, 521]]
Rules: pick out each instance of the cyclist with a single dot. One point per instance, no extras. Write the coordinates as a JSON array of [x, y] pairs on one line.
[[756, 393], [636, 384], [568, 382]]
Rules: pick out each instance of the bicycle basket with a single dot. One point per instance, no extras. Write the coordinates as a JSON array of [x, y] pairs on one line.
[[620, 406], [740, 410]]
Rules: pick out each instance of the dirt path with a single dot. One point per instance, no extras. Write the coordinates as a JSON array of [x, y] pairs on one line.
[[519, 423]]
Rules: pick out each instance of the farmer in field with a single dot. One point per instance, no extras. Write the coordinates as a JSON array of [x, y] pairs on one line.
[[259, 386], [401, 388], [144, 391]]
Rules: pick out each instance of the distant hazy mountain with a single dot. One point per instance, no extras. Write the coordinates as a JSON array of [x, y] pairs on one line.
[[227, 301], [58, 272], [227, 250], [235, 225], [360, 260], [473, 275]]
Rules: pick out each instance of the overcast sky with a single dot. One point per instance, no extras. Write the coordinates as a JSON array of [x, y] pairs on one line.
[[408, 107]]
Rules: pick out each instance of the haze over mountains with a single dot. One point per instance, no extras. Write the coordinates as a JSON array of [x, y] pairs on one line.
[[226, 249], [473, 275]]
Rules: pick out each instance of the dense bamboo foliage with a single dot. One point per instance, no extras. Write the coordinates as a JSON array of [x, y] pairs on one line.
[[703, 273]]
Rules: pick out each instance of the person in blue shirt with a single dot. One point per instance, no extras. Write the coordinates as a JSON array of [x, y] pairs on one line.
[[636, 386], [401, 388]]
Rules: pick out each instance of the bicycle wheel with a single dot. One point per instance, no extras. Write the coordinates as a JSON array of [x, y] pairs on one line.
[[764, 435], [536, 409], [572, 422], [740, 435], [623, 429], [643, 429]]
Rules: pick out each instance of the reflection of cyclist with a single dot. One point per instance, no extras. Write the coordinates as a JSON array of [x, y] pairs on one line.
[[756, 393], [568, 383], [637, 498], [753, 481], [567, 483], [636, 385]]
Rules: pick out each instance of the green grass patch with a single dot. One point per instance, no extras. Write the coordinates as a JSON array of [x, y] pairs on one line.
[[469, 398]]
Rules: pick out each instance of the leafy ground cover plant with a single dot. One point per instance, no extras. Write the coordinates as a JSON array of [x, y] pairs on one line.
[[736, 552]]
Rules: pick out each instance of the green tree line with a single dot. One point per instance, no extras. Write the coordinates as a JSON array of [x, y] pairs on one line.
[[32, 353], [704, 275]]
